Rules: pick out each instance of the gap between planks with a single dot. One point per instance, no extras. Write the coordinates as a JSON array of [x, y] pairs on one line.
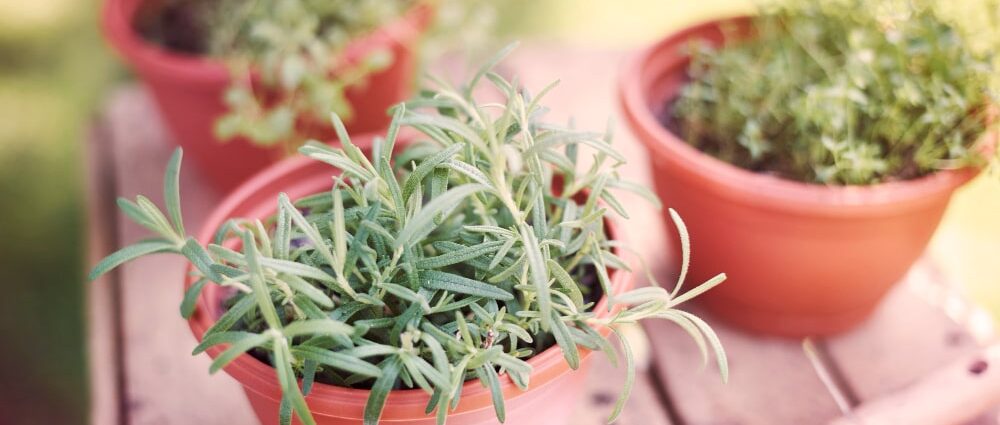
[[104, 325]]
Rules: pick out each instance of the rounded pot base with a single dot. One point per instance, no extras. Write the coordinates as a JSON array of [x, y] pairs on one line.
[[784, 324]]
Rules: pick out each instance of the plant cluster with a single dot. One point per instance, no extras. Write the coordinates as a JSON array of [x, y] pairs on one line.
[[841, 92], [459, 259], [295, 47]]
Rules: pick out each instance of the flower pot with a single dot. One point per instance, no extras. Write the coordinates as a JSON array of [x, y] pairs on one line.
[[554, 387], [188, 89], [802, 259]]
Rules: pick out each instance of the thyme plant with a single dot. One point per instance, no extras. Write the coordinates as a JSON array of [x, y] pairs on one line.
[[460, 259], [843, 92], [292, 44]]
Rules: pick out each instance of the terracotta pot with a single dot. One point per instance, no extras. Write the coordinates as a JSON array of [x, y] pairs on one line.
[[802, 259], [188, 89], [554, 387]]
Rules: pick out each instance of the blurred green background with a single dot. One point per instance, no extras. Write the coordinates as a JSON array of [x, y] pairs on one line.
[[54, 71]]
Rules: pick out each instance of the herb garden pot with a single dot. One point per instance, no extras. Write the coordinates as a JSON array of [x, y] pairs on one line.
[[802, 259], [188, 89], [554, 387]]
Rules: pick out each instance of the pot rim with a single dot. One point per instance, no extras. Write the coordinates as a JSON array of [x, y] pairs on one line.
[[645, 69], [116, 24], [335, 401]]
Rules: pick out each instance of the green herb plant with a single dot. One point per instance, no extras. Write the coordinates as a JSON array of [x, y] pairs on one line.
[[841, 92], [293, 45], [468, 253]]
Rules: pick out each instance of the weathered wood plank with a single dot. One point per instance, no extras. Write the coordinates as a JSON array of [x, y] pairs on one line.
[[954, 393], [604, 385], [910, 336], [770, 380], [164, 384], [101, 295]]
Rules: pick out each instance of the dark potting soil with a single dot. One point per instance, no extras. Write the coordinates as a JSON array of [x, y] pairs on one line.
[[178, 25], [668, 120]]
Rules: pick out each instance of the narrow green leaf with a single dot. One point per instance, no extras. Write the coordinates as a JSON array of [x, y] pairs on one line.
[[539, 274], [685, 250], [700, 289], [450, 282], [338, 360], [191, 298], [200, 259], [470, 172], [157, 217], [237, 347], [231, 316], [565, 340], [129, 253], [171, 190], [488, 376], [408, 294], [629, 376], [319, 244], [426, 167], [327, 327], [138, 215], [338, 226], [566, 282], [289, 385], [380, 390], [713, 340], [459, 256], [488, 66], [214, 339], [260, 293], [423, 222], [302, 287]]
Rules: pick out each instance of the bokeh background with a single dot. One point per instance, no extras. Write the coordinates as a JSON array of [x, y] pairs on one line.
[[54, 72]]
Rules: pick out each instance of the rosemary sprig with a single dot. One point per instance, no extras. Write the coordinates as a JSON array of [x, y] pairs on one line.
[[482, 246]]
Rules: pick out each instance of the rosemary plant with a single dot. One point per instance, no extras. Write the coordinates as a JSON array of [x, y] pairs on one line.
[[468, 254], [290, 43], [843, 92]]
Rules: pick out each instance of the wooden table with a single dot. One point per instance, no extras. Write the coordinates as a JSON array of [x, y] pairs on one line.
[[143, 373]]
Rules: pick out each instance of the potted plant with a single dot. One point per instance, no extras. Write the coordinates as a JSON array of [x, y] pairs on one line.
[[254, 80], [463, 280], [812, 149]]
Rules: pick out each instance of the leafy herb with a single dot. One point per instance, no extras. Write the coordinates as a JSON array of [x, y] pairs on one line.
[[477, 250], [843, 92]]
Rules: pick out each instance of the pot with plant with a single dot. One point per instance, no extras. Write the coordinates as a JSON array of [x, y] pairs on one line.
[[466, 280], [253, 80], [812, 149]]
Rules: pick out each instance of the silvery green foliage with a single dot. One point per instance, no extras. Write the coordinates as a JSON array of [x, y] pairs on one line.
[[293, 45], [842, 92], [459, 259]]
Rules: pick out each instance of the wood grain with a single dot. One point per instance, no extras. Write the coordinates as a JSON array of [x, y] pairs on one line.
[[165, 385], [910, 336], [770, 381], [952, 394], [102, 295]]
